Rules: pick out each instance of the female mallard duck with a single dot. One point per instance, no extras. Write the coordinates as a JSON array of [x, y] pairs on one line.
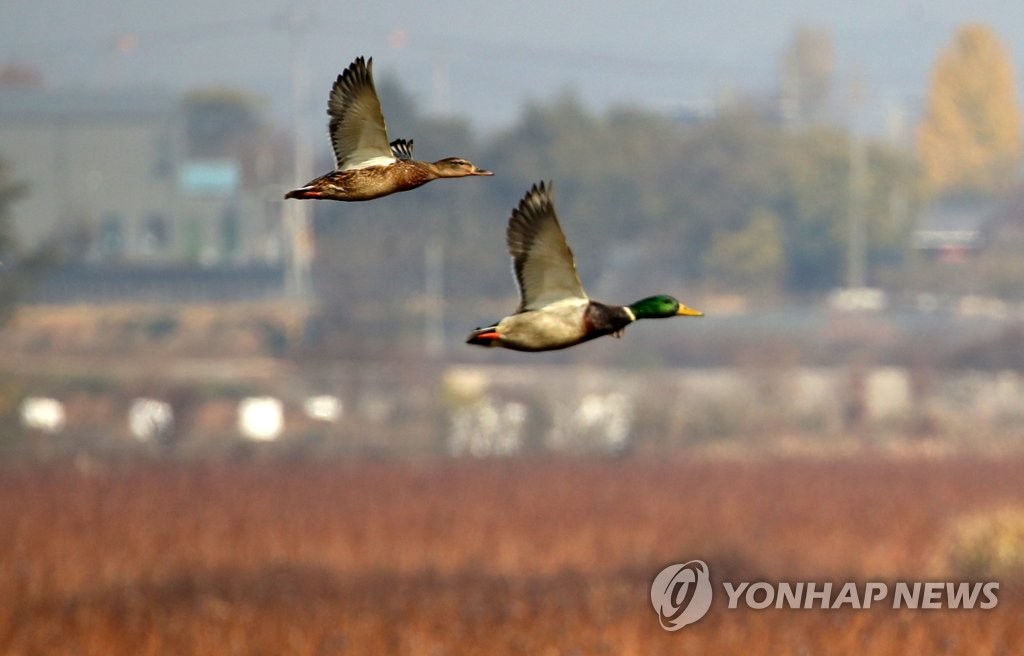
[[367, 166], [554, 311]]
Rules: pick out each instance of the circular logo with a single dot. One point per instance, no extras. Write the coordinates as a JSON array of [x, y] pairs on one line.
[[681, 594]]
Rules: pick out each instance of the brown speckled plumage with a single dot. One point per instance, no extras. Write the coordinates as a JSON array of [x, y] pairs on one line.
[[367, 166], [376, 181]]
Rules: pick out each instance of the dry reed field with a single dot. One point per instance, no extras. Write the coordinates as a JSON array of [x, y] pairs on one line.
[[462, 557]]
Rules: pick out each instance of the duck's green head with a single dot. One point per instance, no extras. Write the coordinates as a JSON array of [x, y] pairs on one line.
[[662, 307]]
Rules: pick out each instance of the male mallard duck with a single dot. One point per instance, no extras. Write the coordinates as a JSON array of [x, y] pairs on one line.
[[367, 166], [554, 312]]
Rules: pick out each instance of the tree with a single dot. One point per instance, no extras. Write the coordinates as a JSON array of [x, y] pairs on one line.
[[750, 258], [805, 75], [8, 193], [13, 270], [969, 139]]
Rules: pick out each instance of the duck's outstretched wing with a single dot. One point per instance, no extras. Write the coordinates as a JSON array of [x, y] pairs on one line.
[[358, 133], [541, 259]]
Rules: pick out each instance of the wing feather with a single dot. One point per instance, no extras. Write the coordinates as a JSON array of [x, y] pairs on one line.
[[541, 259], [402, 148], [357, 129]]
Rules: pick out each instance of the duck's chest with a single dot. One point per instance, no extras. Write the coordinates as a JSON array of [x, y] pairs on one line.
[[405, 174], [600, 319]]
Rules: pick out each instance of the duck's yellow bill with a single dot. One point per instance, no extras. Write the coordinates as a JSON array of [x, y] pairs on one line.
[[689, 311]]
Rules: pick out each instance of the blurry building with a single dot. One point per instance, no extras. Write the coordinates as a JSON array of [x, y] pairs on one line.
[[955, 232], [113, 174]]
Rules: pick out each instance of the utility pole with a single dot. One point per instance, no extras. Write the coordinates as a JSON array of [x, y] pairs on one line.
[[433, 249], [433, 296], [299, 235], [441, 84], [856, 239]]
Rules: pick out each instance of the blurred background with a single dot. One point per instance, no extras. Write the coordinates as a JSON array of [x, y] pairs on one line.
[[222, 411]]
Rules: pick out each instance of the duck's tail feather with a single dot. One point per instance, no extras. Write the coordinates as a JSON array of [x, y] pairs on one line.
[[484, 336], [303, 193]]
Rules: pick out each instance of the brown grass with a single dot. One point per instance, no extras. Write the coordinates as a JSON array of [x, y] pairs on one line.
[[476, 558]]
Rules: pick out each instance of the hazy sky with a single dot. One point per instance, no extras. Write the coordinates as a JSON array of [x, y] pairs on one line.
[[482, 60]]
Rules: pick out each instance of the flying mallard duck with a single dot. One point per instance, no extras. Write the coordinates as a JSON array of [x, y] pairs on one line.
[[366, 165], [554, 312]]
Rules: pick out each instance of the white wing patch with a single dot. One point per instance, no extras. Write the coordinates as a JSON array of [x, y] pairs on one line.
[[368, 163]]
